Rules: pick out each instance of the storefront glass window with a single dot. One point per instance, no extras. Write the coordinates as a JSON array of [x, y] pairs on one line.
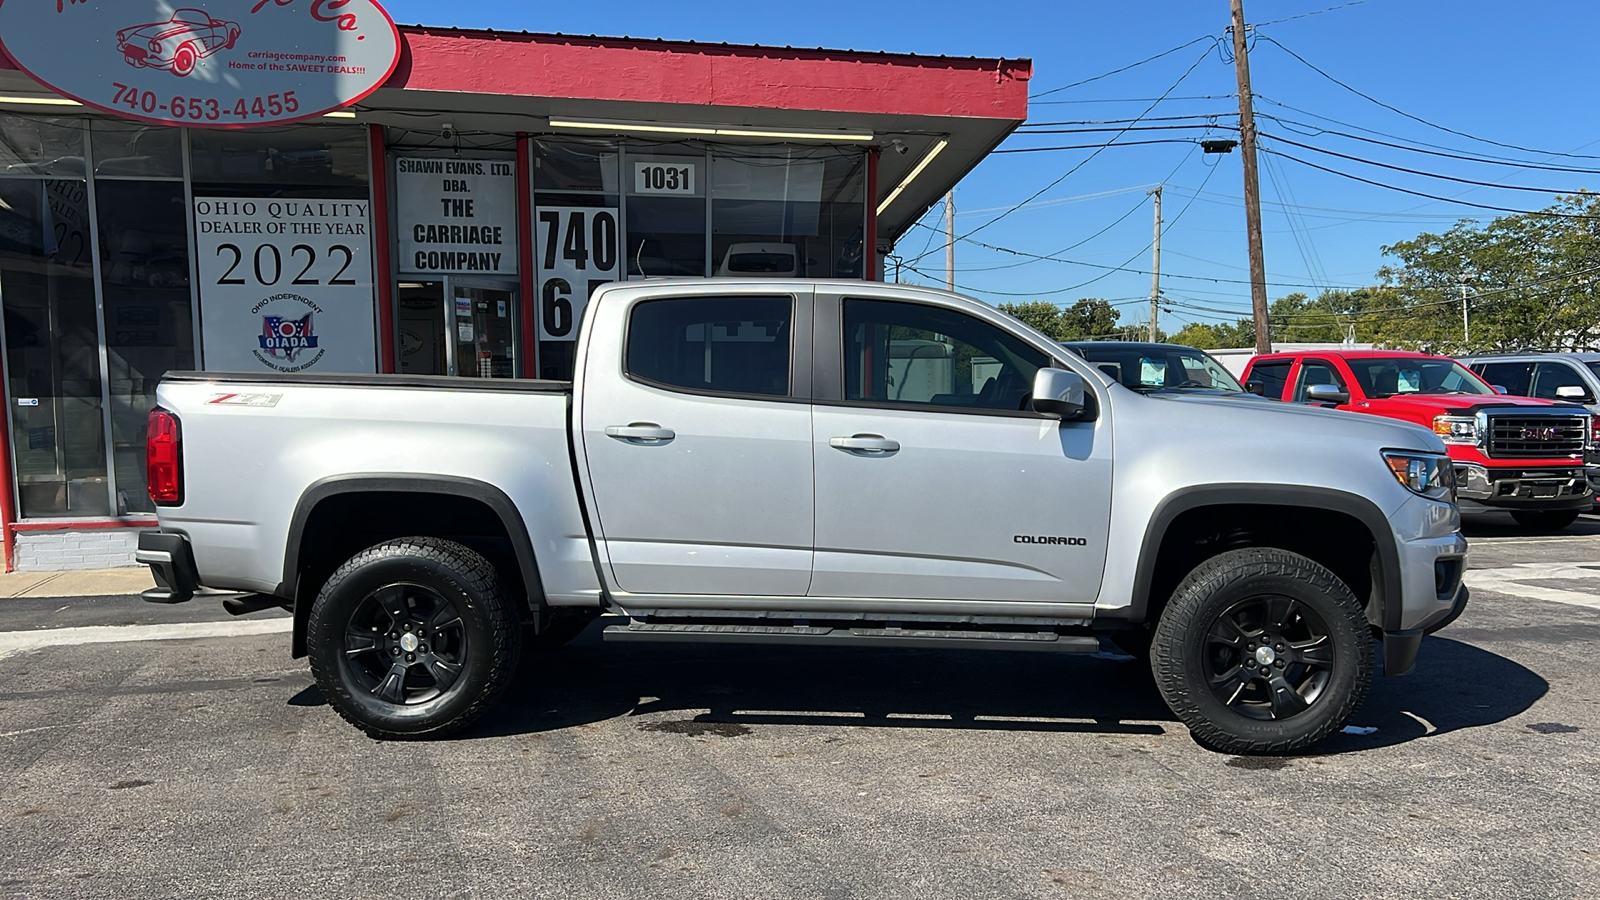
[[788, 212], [144, 269], [281, 159], [666, 213], [576, 200], [52, 348], [34, 146], [131, 149]]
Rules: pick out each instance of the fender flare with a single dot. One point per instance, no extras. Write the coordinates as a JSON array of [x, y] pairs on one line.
[[401, 483], [1386, 580]]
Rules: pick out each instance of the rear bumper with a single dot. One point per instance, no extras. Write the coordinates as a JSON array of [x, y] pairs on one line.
[[171, 561]]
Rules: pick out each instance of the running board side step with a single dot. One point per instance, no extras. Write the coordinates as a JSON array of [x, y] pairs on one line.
[[827, 636]]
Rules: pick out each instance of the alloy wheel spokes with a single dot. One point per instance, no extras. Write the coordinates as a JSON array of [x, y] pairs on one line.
[[1268, 657], [406, 644]]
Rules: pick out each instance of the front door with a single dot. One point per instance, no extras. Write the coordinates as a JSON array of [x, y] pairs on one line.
[[485, 329], [698, 444], [935, 480]]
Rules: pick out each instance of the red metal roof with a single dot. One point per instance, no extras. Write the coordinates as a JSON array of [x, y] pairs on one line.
[[701, 74]]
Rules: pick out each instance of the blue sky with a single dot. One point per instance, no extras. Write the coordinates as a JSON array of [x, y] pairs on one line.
[[1522, 74]]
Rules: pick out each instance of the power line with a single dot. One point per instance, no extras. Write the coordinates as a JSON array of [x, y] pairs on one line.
[[1410, 171], [1164, 53], [1134, 99], [1484, 160], [1310, 14], [1095, 147], [1085, 161], [1115, 121], [1506, 209], [1398, 111]]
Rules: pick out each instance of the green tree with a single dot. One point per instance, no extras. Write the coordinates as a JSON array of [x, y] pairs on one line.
[[1041, 314], [1529, 280], [1086, 319]]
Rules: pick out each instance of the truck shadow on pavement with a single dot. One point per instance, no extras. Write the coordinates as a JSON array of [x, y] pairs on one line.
[[587, 682], [1500, 525], [1455, 686], [729, 690]]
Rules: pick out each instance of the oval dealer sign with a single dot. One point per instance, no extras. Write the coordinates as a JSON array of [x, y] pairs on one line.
[[204, 63]]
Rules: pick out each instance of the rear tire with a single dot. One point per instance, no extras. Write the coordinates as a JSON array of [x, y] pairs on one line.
[[413, 638], [1262, 651], [1546, 520]]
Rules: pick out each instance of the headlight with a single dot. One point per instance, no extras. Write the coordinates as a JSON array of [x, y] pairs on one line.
[[155, 46], [1423, 473], [1456, 429]]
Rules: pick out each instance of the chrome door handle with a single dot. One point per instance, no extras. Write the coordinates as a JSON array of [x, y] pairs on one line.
[[865, 444], [641, 433]]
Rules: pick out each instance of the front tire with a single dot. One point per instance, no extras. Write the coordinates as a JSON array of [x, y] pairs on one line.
[[1262, 651], [413, 638], [1545, 520]]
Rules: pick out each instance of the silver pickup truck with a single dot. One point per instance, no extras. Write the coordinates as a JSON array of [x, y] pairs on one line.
[[809, 462]]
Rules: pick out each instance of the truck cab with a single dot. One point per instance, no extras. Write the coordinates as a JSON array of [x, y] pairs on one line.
[[1521, 455]]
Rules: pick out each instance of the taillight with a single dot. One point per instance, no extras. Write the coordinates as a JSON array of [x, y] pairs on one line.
[[164, 460]]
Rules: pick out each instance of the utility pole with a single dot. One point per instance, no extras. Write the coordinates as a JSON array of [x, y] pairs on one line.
[[950, 240], [1252, 182], [1155, 269], [1466, 334]]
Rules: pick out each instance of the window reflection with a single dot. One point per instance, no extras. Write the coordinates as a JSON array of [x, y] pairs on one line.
[[144, 266], [52, 348]]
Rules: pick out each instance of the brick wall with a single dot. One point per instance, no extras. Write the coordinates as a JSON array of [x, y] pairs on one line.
[[50, 551]]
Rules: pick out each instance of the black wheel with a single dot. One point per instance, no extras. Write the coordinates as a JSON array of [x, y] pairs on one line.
[[413, 638], [1546, 520], [562, 628], [1262, 651]]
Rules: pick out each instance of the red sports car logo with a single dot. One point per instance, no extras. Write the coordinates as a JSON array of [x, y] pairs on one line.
[[178, 44]]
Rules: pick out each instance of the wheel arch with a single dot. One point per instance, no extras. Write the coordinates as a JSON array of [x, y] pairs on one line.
[[319, 507], [1187, 507]]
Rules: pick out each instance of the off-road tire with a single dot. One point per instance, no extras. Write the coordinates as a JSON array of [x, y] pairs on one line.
[[1545, 519], [1179, 651], [489, 627]]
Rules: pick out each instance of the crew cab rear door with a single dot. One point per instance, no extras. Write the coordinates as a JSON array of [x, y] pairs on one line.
[[935, 479], [695, 426]]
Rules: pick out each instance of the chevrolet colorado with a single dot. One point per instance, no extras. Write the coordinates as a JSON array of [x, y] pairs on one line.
[[837, 463]]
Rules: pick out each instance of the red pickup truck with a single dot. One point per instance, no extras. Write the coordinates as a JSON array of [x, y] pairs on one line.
[[1512, 454]]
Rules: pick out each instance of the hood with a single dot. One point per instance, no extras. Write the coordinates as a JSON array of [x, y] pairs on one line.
[[1421, 408], [1257, 421]]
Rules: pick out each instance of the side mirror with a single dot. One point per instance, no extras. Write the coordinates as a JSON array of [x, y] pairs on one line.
[[1255, 387], [1057, 392], [1573, 392], [1499, 388], [1327, 393]]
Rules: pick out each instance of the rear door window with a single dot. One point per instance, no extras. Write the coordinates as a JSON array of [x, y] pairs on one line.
[[1515, 377], [1273, 376], [720, 345]]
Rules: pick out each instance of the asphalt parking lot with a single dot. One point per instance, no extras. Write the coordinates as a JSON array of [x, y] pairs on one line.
[[209, 766]]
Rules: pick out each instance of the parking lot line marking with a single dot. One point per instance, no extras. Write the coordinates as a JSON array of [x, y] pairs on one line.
[[13, 641], [1513, 580]]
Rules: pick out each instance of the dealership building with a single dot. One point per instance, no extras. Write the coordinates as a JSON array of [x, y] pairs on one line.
[[444, 208]]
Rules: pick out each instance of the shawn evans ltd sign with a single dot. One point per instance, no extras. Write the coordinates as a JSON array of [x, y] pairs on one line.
[[209, 63]]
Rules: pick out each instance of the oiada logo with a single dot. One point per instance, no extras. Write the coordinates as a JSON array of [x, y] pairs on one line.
[[288, 340]]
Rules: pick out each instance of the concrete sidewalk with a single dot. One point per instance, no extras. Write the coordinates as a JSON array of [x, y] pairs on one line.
[[88, 583]]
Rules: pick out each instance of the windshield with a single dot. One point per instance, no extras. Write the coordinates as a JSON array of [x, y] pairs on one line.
[[1160, 368], [1414, 375]]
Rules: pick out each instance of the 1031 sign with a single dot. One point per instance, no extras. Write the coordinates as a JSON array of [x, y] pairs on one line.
[[578, 250]]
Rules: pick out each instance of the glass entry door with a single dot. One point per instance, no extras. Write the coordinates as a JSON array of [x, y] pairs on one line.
[[485, 335], [473, 335]]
